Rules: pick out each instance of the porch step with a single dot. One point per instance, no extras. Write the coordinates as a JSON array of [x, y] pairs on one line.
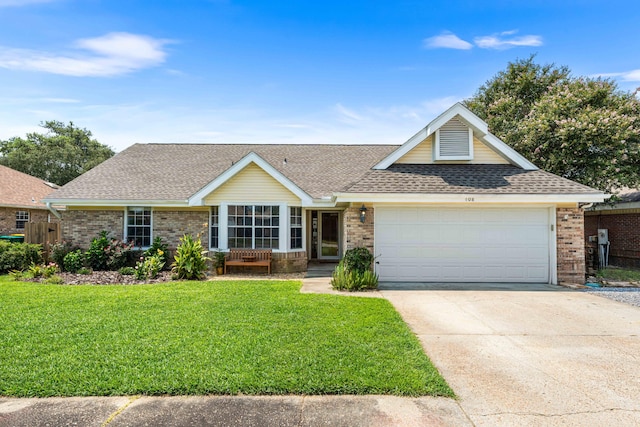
[[324, 269]]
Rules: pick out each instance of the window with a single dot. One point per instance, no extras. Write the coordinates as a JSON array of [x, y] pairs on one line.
[[139, 226], [214, 227], [254, 227], [296, 227], [22, 217]]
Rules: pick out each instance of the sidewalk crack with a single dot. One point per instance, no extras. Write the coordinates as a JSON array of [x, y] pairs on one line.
[[119, 410]]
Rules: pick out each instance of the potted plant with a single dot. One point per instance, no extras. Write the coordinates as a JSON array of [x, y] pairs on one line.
[[219, 262]]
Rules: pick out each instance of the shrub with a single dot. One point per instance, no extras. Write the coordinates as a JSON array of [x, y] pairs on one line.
[[127, 271], [58, 251], [18, 256], [159, 248], [84, 270], [358, 259], [149, 267], [97, 252], [345, 280], [354, 273], [49, 270], [106, 253], [190, 262], [34, 271], [73, 261]]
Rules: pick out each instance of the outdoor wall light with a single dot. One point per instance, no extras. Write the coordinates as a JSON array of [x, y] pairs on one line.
[[363, 213]]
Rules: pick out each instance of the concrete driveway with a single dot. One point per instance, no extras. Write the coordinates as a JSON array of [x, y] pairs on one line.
[[541, 356]]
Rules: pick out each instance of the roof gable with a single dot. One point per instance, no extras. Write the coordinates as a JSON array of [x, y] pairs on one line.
[[458, 114], [198, 199]]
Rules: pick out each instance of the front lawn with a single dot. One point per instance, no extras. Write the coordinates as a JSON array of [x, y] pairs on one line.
[[250, 337]]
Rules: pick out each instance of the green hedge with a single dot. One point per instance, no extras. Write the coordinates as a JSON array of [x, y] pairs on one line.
[[19, 256]]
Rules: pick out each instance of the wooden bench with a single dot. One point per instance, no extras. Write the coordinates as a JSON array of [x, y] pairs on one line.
[[248, 258]]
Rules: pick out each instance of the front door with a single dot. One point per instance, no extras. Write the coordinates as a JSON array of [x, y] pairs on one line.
[[329, 231]]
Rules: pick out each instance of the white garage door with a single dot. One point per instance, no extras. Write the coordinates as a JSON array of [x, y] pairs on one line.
[[462, 244]]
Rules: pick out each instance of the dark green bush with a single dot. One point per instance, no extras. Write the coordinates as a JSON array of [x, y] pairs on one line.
[[190, 262], [73, 261], [58, 251], [358, 259], [19, 256]]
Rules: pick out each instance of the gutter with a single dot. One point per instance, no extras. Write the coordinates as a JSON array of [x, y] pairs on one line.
[[54, 211]]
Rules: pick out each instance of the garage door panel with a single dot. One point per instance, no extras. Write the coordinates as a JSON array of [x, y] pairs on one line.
[[470, 244]]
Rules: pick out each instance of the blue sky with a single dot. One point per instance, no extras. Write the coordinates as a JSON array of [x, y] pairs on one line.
[[344, 72]]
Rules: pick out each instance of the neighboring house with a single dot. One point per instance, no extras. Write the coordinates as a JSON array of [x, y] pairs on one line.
[[622, 222], [452, 204], [21, 200]]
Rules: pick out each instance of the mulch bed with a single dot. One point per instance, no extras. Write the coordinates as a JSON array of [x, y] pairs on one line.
[[115, 278]]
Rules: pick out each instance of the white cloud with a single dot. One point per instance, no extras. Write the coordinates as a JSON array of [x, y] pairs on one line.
[[625, 76], [109, 55], [10, 3], [502, 41], [446, 40], [349, 115]]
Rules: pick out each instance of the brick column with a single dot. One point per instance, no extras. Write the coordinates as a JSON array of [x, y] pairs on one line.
[[570, 245], [355, 233]]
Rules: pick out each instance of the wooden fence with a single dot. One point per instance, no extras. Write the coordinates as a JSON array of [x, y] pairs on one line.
[[43, 233]]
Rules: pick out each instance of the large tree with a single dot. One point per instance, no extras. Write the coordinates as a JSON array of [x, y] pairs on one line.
[[59, 155], [581, 128]]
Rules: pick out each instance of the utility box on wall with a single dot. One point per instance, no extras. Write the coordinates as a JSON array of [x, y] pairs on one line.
[[603, 236]]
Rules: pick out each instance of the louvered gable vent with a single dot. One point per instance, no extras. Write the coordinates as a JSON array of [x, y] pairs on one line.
[[454, 141]]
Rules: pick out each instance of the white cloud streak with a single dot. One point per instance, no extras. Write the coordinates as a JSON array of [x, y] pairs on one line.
[[625, 76], [499, 41], [110, 55], [446, 40]]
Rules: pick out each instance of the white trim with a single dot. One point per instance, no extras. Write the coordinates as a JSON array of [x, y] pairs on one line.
[[198, 198], [124, 232], [438, 156], [479, 128], [468, 198], [118, 203], [553, 247]]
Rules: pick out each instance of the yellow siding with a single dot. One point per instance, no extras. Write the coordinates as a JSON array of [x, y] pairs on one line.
[[252, 184], [423, 154]]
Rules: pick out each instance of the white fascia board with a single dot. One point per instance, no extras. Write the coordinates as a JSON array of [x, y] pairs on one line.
[[198, 198], [473, 121], [110, 203], [469, 198], [507, 152]]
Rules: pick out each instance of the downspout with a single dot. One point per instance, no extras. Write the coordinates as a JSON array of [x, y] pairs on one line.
[[54, 211]]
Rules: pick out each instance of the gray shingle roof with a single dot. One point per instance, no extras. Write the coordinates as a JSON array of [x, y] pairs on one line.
[[454, 179], [174, 172]]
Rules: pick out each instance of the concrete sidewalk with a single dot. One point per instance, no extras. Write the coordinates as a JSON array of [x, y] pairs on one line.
[[229, 411]]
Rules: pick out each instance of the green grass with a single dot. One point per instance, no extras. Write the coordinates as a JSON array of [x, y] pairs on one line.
[[253, 337], [619, 274]]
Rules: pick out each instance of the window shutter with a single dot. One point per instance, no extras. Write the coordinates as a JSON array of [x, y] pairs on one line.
[[454, 141]]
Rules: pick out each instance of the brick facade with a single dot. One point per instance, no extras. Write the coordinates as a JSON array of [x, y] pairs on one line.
[[8, 219], [624, 235], [79, 227], [355, 233], [570, 245]]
